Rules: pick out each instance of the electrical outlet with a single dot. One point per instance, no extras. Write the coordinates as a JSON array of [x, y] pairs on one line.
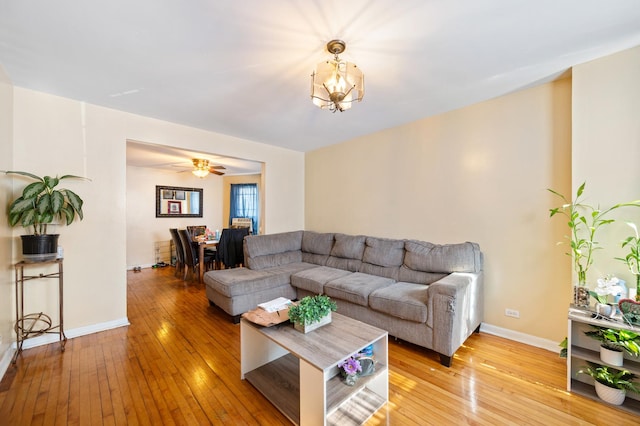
[[512, 313]]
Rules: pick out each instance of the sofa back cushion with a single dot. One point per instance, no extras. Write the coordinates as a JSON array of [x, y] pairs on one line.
[[316, 247], [382, 257], [266, 251], [447, 258], [347, 252]]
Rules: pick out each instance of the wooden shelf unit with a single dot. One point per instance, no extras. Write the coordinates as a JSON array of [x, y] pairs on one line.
[[582, 348]]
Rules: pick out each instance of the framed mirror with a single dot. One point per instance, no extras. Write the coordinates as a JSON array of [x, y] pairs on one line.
[[176, 201]]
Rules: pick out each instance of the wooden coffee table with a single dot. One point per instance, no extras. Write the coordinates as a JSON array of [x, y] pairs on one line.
[[298, 372]]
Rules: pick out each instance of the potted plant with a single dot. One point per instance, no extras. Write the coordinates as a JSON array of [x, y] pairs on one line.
[[311, 312], [584, 221], [632, 259], [611, 385], [614, 342], [41, 204], [608, 286]]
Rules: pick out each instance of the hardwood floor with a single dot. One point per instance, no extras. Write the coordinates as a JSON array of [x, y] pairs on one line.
[[178, 363]]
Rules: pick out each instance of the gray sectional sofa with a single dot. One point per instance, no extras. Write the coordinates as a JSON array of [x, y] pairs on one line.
[[427, 294]]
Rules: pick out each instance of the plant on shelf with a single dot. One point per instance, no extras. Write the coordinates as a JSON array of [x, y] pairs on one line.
[[616, 340], [632, 259], [620, 381], [41, 204], [584, 222], [608, 286], [311, 309]]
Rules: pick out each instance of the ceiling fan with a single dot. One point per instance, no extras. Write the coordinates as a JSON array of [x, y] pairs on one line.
[[202, 168]]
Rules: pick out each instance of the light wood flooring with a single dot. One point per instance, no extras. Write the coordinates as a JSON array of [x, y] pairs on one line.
[[178, 363]]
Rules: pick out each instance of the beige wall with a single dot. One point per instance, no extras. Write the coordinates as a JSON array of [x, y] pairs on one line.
[[606, 153], [226, 198], [476, 174], [144, 229], [58, 135], [7, 315]]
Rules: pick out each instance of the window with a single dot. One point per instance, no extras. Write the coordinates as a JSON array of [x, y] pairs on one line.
[[244, 203]]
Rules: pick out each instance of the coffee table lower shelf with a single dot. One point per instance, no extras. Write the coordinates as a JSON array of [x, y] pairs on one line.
[[279, 382]]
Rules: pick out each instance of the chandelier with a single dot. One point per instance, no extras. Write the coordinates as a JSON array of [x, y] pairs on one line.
[[336, 84], [201, 167]]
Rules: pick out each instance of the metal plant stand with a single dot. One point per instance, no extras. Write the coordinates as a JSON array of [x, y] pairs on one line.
[[36, 324]]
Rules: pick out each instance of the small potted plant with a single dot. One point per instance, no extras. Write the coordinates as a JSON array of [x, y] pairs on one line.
[[609, 286], [311, 312], [611, 384], [614, 342], [41, 204]]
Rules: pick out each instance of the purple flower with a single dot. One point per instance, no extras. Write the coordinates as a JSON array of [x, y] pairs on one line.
[[351, 366]]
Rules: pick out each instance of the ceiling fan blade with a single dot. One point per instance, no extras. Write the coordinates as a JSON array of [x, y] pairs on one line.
[[215, 172], [218, 167]]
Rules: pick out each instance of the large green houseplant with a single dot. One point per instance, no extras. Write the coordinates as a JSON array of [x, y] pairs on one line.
[[40, 205]]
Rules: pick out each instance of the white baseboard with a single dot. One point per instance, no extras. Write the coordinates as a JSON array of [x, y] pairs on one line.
[[6, 360], [45, 339], [517, 336]]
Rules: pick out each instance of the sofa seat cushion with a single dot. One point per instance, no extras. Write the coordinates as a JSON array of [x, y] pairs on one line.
[[314, 279], [241, 281], [407, 301], [355, 287]]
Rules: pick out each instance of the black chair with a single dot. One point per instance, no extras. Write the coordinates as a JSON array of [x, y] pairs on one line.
[[191, 254], [230, 251], [196, 231], [179, 251]]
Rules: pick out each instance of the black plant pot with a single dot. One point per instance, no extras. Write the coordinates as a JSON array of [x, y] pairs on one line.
[[39, 248]]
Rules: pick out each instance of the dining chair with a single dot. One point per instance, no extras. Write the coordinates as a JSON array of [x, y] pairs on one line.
[[196, 231], [191, 255], [177, 242], [230, 251]]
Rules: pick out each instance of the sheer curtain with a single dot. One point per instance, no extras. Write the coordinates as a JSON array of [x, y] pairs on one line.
[[244, 203]]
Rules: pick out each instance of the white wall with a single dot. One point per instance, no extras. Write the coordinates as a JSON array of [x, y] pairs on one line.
[[606, 148], [144, 228], [475, 174], [57, 135], [7, 312]]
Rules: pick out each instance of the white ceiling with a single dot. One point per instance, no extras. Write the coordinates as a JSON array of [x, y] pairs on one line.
[[178, 160], [242, 67]]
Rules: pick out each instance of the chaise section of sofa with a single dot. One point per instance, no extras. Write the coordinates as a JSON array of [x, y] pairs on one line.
[[428, 294]]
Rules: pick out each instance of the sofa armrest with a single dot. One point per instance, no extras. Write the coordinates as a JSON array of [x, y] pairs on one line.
[[455, 308]]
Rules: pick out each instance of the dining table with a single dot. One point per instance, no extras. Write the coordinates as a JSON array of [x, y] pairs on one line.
[[204, 243]]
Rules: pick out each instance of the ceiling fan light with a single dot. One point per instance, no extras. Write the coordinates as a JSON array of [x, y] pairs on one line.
[[200, 172]]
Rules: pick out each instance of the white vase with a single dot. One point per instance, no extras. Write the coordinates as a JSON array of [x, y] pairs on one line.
[[610, 395], [611, 357]]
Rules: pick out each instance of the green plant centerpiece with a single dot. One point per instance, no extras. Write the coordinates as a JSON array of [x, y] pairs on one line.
[[584, 222], [40, 205], [312, 312], [611, 384], [632, 259]]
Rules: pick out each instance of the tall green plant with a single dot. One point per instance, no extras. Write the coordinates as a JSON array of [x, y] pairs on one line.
[[632, 259], [41, 203], [584, 222]]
